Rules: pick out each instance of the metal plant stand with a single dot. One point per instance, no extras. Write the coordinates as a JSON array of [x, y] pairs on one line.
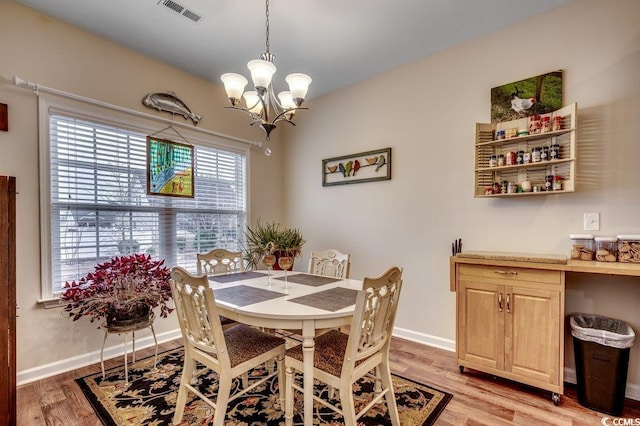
[[126, 329]]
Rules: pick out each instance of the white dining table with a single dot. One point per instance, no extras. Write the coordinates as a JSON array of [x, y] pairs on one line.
[[282, 312]]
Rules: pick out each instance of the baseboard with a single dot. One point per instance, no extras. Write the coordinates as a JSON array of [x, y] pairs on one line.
[[73, 363], [425, 339], [632, 391]]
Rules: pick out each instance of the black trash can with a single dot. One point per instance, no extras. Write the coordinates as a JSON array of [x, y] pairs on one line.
[[601, 346]]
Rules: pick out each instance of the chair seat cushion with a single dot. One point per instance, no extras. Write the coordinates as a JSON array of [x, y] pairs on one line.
[[328, 355], [244, 343]]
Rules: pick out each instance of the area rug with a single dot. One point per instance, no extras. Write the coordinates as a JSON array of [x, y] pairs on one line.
[[150, 399]]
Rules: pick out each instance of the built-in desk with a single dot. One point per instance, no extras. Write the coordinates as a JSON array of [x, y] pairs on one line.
[[510, 310]]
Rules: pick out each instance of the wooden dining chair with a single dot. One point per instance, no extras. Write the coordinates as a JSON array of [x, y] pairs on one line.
[[340, 359], [330, 263], [220, 261], [230, 353]]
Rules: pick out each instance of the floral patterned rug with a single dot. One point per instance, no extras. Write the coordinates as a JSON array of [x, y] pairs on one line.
[[151, 396]]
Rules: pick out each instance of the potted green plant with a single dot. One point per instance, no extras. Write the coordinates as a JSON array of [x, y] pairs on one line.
[[123, 290], [271, 238]]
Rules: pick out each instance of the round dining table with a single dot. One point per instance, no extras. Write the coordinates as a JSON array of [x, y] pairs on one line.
[[308, 303]]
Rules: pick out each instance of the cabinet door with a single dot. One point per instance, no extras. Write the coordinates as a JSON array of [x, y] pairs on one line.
[[480, 324], [532, 333]]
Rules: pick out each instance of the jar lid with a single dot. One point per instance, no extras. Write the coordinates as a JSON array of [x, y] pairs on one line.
[[629, 237], [606, 239], [581, 236]]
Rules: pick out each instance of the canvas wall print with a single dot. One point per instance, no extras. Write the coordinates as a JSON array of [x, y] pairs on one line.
[[356, 168], [536, 95], [169, 168]]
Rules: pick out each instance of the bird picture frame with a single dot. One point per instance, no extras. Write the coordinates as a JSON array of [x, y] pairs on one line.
[[366, 166], [537, 95]]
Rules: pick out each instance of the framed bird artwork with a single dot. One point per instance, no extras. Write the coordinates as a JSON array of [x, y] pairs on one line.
[[532, 96], [356, 168]]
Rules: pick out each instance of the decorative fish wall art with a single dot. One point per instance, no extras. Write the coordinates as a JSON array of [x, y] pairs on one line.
[[362, 167], [170, 103]]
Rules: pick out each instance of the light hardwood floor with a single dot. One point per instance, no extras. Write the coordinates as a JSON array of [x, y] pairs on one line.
[[479, 399]]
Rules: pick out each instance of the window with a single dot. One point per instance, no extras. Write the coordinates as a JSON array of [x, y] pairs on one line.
[[98, 206]]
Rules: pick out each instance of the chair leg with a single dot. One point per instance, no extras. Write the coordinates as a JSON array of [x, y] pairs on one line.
[[387, 383], [282, 388], [288, 410], [187, 374], [348, 407], [224, 391]]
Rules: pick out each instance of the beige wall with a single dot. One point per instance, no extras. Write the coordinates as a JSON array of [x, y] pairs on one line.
[[426, 111], [46, 51]]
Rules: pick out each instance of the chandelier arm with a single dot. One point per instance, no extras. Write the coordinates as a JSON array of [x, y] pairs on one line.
[[282, 115]]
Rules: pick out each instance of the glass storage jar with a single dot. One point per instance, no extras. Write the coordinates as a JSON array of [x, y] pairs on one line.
[[606, 249], [582, 246], [629, 248]]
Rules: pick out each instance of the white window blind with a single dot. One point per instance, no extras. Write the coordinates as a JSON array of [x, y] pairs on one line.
[[100, 209]]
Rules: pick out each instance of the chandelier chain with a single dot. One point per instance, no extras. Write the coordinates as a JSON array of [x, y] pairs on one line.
[[267, 14]]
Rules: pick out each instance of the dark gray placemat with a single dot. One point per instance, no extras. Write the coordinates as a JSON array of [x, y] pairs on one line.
[[332, 299], [238, 276], [243, 295], [312, 280]]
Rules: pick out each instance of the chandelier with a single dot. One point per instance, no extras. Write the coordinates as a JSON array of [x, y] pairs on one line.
[[261, 104]]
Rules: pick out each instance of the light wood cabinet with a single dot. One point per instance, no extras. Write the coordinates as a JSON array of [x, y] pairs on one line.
[[509, 323], [561, 165]]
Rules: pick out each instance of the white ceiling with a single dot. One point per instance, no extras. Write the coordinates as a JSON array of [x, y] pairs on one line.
[[336, 42]]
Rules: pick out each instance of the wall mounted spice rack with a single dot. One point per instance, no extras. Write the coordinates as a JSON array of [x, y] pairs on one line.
[[486, 146]]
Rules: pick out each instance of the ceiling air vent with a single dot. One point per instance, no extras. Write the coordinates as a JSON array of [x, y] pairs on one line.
[[180, 9]]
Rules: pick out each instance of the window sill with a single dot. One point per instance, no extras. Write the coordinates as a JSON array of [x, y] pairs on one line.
[[54, 302]]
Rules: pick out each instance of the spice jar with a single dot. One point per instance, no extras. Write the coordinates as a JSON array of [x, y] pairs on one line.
[[510, 158], [606, 249], [503, 189], [496, 188], [519, 157], [629, 248], [554, 152], [526, 158], [534, 124], [548, 183], [535, 155], [557, 123], [582, 246], [544, 153], [545, 124], [557, 183], [501, 160], [500, 135], [493, 160]]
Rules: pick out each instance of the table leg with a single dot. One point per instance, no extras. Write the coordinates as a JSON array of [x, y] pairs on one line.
[[308, 345]]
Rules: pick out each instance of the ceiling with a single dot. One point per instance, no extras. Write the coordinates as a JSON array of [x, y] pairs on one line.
[[336, 42]]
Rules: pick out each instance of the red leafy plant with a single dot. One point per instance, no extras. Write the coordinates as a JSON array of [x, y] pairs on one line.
[[121, 285]]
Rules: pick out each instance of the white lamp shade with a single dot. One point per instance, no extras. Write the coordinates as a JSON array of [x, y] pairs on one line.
[[298, 85], [252, 100], [234, 84], [286, 100], [261, 72]]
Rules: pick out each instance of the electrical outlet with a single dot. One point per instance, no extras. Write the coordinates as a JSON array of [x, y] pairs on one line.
[[592, 221]]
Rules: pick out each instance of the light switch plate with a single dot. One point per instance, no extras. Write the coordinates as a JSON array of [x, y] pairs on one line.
[[591, 221]]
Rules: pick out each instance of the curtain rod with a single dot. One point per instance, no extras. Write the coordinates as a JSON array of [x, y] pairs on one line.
[[19, 82]]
